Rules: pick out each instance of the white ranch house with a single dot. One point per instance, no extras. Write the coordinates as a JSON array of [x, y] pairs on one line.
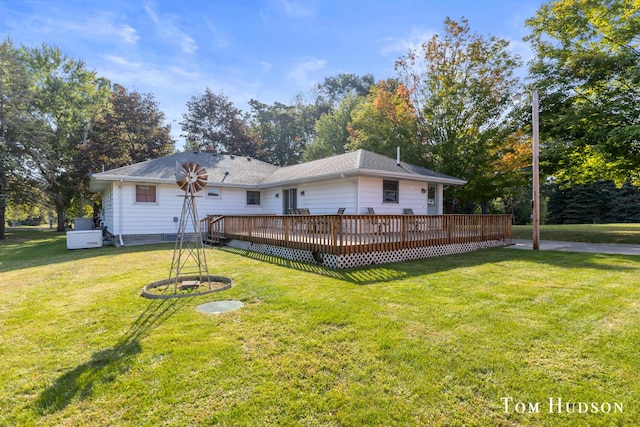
[[141, 202]]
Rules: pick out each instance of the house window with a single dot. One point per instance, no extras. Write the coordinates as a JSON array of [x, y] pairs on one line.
[[253, 197], [213, 192], [390, 191], [145, 193]]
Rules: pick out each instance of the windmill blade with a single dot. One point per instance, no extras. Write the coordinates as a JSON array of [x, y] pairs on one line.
[[191, 177], [181, 176], [179, 171], [202, 177], [200, 183]]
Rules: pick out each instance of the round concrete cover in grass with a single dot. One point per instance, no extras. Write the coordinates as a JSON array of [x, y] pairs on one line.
[[217, 307]]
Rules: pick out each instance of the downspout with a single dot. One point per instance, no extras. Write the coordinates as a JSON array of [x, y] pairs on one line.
[[120, 212]]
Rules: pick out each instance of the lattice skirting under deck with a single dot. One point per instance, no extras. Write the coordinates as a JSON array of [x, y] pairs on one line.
[[368, 258]]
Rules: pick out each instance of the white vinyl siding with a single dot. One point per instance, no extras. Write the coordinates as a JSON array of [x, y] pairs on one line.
[[107, 209], [410, 196], [353, 194], [327, 197], [157, 218], [151, 218]]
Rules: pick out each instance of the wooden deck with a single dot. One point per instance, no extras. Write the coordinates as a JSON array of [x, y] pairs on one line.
[[350, 234]]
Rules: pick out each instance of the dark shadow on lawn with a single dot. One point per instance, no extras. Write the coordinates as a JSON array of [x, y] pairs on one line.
[[44, 248], [35, 248], [105, 365], [372, 274]]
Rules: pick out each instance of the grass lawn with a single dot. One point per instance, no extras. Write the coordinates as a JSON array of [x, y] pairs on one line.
[[592, 233], [439, 342]]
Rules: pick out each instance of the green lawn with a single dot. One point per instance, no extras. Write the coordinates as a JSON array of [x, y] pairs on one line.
[[592, 233], [441, 342]]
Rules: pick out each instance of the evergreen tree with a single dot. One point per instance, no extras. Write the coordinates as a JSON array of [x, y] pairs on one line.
[[582, 206], [625, 208], [556, 205], [600, 202]]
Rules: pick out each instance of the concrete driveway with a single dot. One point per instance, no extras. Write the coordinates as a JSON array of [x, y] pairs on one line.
[[600, 248]]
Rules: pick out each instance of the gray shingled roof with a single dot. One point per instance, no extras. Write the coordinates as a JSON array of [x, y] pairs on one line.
[[360, 161], [245, 171], [231, 170]]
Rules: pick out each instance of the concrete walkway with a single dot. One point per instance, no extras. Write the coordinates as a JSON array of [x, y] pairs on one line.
[[600, 248]]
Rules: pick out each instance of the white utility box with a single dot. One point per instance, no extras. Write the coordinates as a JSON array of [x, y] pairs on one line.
[[83, 239], [82, 224]]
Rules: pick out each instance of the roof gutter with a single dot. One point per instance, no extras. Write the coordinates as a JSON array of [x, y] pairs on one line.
[[366, 172], [98, 183], [412, 177], [95, 187]]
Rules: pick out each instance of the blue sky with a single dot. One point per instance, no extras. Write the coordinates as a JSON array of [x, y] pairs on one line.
[[269, 50]]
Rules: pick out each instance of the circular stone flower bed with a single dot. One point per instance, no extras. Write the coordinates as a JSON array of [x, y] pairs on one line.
[[185, 286]]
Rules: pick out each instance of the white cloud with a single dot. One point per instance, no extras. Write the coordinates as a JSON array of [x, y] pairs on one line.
[[169, 31], [217, 38], [295, 9], [122, 62], [61, 24], [303, 73], [152, 14], [128, 34], [102, 27], [188, 44], [181, 71], [265, 67], [398, 46]]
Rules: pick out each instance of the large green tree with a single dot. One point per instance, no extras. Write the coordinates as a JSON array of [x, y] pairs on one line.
[[461, 86], [335, 98], [332, 129], [128, 129], [586, 70], [334, 88], [17, 125], [384, 121], [67, 94], [282, 130], [213, 122]]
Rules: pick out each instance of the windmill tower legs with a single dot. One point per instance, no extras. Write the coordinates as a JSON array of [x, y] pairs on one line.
[[189, 274], [189, 257]]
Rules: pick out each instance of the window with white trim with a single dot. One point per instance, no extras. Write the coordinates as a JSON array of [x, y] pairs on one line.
[[145, 193], [213, 192], [390, 191], [253, 197]]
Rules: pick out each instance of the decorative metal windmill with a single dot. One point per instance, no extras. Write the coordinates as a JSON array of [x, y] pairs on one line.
[[189, 269], [189, 274]]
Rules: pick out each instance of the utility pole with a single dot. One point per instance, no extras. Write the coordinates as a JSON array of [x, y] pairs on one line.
[[536, 171]]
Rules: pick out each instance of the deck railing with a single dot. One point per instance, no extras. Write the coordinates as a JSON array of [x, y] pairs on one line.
[[344, 234]]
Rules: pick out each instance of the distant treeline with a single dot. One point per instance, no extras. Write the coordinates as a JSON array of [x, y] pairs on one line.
[[598, 203]]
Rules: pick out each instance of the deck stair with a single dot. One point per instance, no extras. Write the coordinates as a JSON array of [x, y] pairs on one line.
[[213, 230]]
